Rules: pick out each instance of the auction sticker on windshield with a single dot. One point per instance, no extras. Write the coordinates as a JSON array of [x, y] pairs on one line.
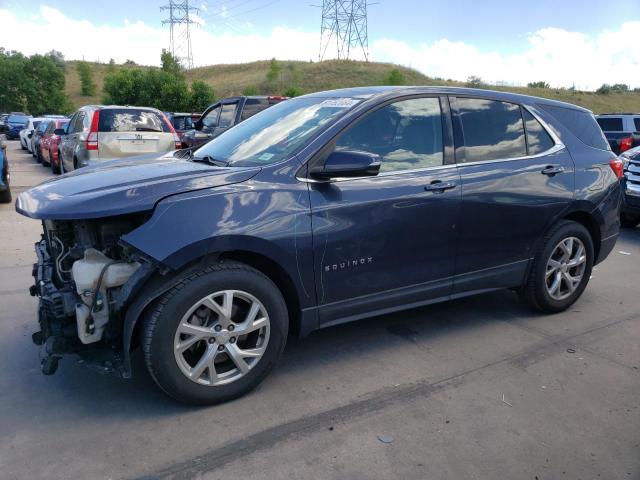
[[340, 102]]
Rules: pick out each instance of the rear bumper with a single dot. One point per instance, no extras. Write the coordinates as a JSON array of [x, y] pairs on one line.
[[606, 246]]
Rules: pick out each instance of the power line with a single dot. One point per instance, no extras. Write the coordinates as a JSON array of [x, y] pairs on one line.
[[179, 22], [345, 22]]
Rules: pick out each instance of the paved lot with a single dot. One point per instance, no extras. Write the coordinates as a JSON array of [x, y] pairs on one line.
[[480, 388]]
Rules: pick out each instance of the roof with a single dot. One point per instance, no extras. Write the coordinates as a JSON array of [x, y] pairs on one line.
[[369, 92]]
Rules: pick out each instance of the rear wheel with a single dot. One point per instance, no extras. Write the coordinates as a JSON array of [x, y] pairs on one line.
[[5, 197], [561, 269], [629, 221], [215, 335], [56, 167]]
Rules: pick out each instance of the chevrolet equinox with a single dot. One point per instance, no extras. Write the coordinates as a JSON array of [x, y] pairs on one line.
[[324, 209]]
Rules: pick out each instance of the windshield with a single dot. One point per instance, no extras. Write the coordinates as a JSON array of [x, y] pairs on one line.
[[275, 133], [22, 119]]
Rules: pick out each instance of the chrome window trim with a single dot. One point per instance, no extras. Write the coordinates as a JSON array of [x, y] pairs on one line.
[[559, 146]]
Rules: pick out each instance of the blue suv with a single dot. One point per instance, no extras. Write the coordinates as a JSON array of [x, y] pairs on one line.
[[324, 209]]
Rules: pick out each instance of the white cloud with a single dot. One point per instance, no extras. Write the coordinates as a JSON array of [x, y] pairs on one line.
[[554, 55]]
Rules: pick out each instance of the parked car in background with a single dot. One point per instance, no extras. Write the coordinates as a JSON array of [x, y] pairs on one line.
[[5, 190], [26, 132], [3, 118], [223, 115], [36, 137], [51, 141], [97, 133], [16, 121], [182, 122], [621, 129], [630, 217], [323, 209]]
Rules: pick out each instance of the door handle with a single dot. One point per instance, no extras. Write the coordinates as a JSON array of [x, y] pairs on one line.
[[439, 186], [552, 170]]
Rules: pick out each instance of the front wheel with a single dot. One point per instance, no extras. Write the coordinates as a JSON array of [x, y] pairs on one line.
[[561, 268], [215, 335]]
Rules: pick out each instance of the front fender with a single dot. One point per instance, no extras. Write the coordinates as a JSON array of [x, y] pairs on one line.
[[257, 216]]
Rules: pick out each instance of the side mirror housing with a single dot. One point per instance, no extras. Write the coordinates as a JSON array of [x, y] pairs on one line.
[[60, 131], [198, 124], [347, 164]]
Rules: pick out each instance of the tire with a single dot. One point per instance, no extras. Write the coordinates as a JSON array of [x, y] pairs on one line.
[[161, 339], [536, 292], [629, 221], [56, 169], [22, 145], [5, 197]]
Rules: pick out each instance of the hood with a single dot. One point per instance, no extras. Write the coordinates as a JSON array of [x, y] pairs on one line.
[[123, 186]]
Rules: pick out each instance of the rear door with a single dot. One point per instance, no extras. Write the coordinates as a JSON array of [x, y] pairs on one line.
[[515, 181], [127, 132]]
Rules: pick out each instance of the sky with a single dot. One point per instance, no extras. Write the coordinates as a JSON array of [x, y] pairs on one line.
[[563, 42]]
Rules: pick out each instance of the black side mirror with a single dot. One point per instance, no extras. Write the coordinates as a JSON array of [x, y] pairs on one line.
[[348, 164], [198, 124], [60, 131]]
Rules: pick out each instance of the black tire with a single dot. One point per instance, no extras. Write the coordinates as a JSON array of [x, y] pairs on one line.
[[629, 221], [22, 145], [38, 156], [5, 197], [535, 291], [56, 169], [162, 320]]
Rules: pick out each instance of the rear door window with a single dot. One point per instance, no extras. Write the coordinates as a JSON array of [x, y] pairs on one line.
[[491, 130], [538, 140], [253, 106], [610, 124], [227, 115], [636, 123], [130, 120]]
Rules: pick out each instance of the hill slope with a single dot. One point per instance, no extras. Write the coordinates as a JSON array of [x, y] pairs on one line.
[[228, 80]]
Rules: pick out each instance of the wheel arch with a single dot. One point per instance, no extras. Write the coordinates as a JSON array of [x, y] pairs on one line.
[[588, 221]]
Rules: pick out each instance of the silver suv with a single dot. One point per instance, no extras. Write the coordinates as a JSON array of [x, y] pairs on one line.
[[97, 133]]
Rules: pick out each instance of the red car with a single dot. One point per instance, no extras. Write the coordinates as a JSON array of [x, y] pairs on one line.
[[49, 145]]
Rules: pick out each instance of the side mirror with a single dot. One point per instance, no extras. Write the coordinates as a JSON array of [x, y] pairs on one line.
[[348, 164], [198, 124], [30, 134], [60, 131]]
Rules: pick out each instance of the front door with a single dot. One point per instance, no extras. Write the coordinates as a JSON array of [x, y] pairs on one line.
[[515, 180], [388, 241]]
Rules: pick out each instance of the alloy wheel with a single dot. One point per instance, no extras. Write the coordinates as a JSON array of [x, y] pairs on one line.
[[221, 337], [565, 268]]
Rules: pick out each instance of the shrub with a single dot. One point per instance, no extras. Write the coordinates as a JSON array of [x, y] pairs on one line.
[[538, 85], [200, 97], [292, 92], [87, 85], [248, 91], [394, 77], [475, 81]]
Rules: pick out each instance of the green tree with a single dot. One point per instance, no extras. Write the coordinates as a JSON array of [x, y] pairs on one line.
[[87, 85], [475, 81], [251, 90], [538, 85], [34, 84], [200, 96], [170, 64], [394, 77], [273, 75], [605, 89], [292, 92]]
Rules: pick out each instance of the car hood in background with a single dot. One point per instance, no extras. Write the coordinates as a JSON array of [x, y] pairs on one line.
[[122, 186]]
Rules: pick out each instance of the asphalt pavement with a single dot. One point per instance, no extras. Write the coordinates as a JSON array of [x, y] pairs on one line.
[[480, 388]]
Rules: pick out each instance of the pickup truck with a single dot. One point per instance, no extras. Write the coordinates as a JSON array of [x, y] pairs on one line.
[[223, 115], [621, 129]]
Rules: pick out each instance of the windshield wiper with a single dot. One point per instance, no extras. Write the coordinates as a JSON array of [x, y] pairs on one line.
[[211, 160]]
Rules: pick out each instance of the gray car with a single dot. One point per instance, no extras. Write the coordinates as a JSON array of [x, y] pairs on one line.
[[97, 133]]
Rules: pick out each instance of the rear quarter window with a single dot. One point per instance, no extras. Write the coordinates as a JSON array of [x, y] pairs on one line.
[[610, 124], [131, 120], [636, 123], [581, 124]]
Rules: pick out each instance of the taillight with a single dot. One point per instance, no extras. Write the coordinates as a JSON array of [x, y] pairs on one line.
[[92, 138], [626, 144], [176, 138], [617, 165]]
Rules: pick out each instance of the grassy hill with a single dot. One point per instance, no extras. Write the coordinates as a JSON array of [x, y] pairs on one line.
[[235, 79]]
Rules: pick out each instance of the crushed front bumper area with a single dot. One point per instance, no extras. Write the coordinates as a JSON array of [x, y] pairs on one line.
[[58, 334]]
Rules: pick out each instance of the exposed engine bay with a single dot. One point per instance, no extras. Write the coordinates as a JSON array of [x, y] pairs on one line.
[[81, 270]]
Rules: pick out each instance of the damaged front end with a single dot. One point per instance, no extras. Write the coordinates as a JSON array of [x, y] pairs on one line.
[[84, 278]]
